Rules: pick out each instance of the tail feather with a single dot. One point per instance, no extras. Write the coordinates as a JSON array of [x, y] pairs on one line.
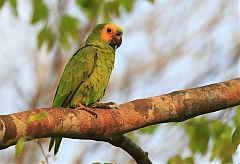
[[57, 141], [51, 143], [57, 144]]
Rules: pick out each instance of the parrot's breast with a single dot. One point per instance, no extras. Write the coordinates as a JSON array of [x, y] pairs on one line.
[[93, 89]]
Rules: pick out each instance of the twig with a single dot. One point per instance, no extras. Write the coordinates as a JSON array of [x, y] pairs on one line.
[[131, 148], [41, 148]]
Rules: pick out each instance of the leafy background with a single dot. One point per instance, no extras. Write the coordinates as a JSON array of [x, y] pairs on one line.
[[167, 45]]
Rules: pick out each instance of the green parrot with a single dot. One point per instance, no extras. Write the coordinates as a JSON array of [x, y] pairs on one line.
[[86, 75]]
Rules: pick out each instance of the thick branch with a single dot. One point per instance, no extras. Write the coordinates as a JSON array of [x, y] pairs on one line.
[[79, 124]]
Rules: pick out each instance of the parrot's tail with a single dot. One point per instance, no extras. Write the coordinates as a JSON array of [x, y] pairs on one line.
[[51, 144], [57, 141]]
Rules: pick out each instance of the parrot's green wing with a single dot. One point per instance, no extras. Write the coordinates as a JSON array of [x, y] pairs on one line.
[[77, 70]]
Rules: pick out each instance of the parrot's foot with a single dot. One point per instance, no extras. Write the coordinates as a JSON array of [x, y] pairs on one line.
[[108, 105], [89, 110]]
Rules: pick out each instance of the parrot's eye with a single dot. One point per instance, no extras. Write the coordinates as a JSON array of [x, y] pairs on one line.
[[109, 30]]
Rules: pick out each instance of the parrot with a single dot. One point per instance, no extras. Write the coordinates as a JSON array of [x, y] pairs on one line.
[[86, 75]]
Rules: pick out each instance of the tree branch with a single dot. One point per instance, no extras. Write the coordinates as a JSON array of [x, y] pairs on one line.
[[79, 124], [131, 148]]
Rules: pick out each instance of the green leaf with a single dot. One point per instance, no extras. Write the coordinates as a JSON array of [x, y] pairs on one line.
[[1, 3], [216, 149], [46, 35], [19, 147], [68, 28], [111, 9], [236, 118], [91, 8], [149, 129], [175, 160], [106, 15], [63, 39], [189, 160], [198, 133], [37, 117], [236, 137], [133, 137], [227, 151], [40, 11], [127, 4], [217, 128], [222, 147], [13, 4], [201, 129], [151, 1]]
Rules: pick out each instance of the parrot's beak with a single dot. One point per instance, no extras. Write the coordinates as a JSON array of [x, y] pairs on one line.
[[118, 39]]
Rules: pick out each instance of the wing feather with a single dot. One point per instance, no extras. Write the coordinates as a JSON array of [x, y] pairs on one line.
[[76, 71]]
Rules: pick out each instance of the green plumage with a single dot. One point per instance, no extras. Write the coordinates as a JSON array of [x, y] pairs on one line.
[[85, 77]]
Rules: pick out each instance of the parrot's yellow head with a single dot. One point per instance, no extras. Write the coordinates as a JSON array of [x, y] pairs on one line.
[[106, 33], [112, 34]]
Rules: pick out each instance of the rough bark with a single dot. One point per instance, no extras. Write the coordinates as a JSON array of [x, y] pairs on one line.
[[79, 124]]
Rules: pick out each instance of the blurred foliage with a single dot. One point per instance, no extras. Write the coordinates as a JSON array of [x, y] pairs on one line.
[[68, 26], [13, 4], [68, 29], [236, 137], [202, 130], [19, 146], [149, 130], [133, 136], [236, 133], [40, 11], [178, 160], [1, 3], [198, 130], [95, 9], [46, 35], [236, 118]]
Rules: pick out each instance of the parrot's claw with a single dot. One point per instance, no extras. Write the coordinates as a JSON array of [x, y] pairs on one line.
[[89, 110], [108, 105]]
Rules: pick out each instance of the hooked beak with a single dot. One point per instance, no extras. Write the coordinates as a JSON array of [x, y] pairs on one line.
[[117, 40]]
